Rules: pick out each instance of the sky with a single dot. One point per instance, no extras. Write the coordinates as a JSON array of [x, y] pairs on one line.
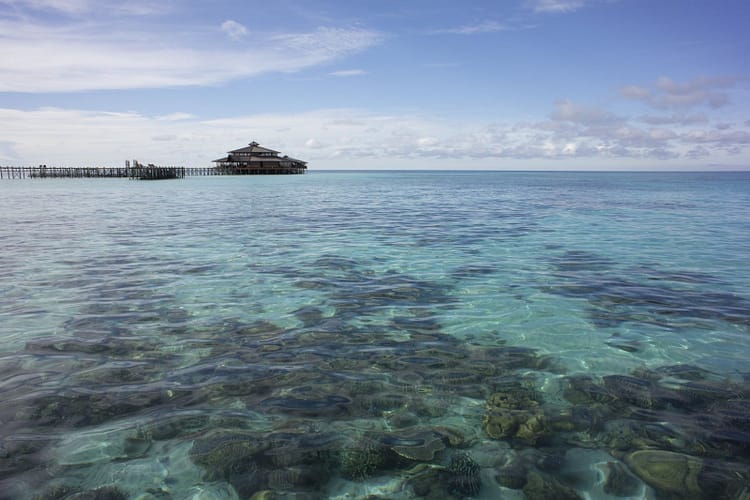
[[378, 84]]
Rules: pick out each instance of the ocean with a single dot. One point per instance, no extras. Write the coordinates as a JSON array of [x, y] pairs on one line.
[[376, 335]]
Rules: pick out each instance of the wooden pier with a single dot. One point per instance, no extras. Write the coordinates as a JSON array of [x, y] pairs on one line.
[[154, 173], [253, 159], [43, 172], [139, 172]]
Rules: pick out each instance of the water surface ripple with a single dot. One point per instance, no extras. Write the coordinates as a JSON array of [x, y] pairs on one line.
[[376, 334]]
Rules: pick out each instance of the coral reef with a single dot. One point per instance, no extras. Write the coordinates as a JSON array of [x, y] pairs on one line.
[[350, 392]]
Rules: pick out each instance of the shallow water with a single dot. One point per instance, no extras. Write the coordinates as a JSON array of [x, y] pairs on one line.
[[338, 335]]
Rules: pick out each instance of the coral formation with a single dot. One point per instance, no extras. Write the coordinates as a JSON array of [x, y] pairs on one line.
[[363, 458], [515, 414], [464, 475]]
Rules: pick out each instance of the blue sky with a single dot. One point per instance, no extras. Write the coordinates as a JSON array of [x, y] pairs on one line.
[[512, 84]]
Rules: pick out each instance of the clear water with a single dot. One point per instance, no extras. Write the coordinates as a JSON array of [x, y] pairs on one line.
[[341, 334]]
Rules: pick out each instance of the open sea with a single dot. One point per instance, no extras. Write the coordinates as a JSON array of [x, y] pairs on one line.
[[381, 335]]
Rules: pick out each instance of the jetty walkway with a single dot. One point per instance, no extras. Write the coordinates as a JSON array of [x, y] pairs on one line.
[[141, 172]]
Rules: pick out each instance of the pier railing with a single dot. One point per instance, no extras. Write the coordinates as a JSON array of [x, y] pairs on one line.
[[149, 172]]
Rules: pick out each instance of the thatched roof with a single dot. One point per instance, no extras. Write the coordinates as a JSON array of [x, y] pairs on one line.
[[254, 147]]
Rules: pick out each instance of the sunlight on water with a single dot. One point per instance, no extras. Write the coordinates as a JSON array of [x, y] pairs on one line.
[[399, 335]]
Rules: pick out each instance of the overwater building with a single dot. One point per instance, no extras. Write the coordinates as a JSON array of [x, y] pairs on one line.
[[255, 159]]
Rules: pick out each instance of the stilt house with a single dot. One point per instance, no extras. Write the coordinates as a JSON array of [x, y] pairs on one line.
[[255, 159]]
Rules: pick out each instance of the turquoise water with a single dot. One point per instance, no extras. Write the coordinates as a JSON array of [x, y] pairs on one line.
[[393, 334]]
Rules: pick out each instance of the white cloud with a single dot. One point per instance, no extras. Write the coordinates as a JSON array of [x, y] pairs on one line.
[[233, 29], [329, 43], [474, 29], [348, 72], [675, 119], [555, 6], [8, 150], [666, 93], [165, 137], [698, 152], [66, 6], [721, 137], [78, 8], [313, 144], [74, 58], [587, 115], [175, 116], [517, 22], [635, 92], [143, 8]]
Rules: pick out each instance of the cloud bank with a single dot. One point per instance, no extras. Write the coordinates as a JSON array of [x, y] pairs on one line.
[[358, 138]]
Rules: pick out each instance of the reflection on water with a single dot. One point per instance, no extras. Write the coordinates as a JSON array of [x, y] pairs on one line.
[[423, 335]]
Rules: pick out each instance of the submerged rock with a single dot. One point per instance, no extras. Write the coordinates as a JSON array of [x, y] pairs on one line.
[[60, 491], [512, 476], [703, 393], [624, 435], [734, 412], [103, 493], [78, 408], [281, 461], [112, 346], [632, 390], [296, 446], [176, 426], [628, 345], [543, 487], [428, 484], [668, 472], [137, 444], [229, 456], [620, 482], [451, 436], [325, 406], [508, 358], [721, 479], [683, 371], [298, 478], [64, 492], [19, 455], [584, 390]]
